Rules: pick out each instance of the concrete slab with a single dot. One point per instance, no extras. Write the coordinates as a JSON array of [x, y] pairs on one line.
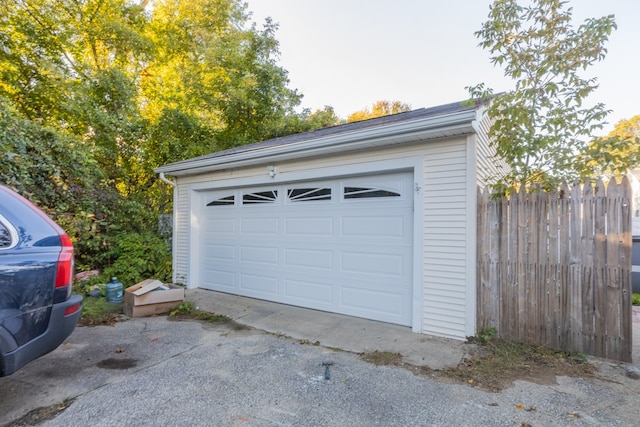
[[332, 330]]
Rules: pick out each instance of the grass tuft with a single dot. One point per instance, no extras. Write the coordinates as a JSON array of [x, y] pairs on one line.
[[187, 311], [97, 311], [382, 358]]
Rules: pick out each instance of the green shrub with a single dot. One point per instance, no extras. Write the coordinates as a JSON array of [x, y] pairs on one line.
[[635, 299], [140, 256]]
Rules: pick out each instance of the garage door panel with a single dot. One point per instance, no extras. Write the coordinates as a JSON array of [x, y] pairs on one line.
[[216, 226], [219, 279], [384, 306], [307, 292], [345, 255], [219, 252], [259, 226], [381, 226], [259, 254], [260, 285], [309, 258], [374, 264], [313, 226]]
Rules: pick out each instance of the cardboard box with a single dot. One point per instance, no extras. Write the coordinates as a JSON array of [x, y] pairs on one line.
[[151, 297]]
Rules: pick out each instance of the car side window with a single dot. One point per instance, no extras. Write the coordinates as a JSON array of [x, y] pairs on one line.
[[5, 236], [8, 235]]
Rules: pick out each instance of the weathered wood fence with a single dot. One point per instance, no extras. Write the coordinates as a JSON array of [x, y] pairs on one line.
[[555, 268]]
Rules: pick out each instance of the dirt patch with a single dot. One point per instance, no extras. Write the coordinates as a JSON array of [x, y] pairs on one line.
[[40, 415], [496, 364], [382, 358], [187, 312]]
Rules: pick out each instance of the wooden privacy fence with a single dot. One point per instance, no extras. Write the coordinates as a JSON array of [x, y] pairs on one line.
[[554, 268]]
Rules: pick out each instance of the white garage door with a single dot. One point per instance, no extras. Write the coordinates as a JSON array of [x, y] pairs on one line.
[[343, 245]]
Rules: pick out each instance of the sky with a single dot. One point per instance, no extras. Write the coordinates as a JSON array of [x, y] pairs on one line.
[[350, 53]]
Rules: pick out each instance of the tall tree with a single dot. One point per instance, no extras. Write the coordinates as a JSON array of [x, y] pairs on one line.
[[73, 66], [108, 70], [541, 125], [123, 87], [379, 109], [215, 66]]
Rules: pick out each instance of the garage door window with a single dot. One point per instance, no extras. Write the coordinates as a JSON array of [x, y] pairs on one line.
[[261, 197], [308, 194], [224, 201], [367, 193]]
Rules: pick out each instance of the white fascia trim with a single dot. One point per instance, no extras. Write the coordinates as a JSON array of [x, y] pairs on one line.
[[459, 123]]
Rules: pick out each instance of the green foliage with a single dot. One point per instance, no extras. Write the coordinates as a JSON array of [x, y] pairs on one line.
[[97, 311], [614, 154], [57, 172], [541, 125], [485, 335], [94, 94], [635, 299], [86, 286], [140, 256], [306, 121], [186, 311]]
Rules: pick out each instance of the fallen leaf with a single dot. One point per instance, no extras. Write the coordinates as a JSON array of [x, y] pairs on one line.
[[520, 406]]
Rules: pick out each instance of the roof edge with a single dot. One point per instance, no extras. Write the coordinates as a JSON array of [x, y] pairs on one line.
[[458, 123]]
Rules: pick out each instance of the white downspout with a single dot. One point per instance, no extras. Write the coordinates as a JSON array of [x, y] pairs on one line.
[[164, 179], [174, 233]]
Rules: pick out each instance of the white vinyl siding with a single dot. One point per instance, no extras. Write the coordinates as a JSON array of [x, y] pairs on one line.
[[444, 305], [488, 166]]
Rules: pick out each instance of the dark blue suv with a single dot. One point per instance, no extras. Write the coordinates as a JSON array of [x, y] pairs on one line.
[[37, 310]]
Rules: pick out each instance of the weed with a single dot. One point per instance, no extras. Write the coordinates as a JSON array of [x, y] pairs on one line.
[[635, 299], [186, 311], [186, 308], [382, 358], [97, 311], [483, 336]]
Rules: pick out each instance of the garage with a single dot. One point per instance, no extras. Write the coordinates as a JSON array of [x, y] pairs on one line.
[[373, 219], [340, 245]]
